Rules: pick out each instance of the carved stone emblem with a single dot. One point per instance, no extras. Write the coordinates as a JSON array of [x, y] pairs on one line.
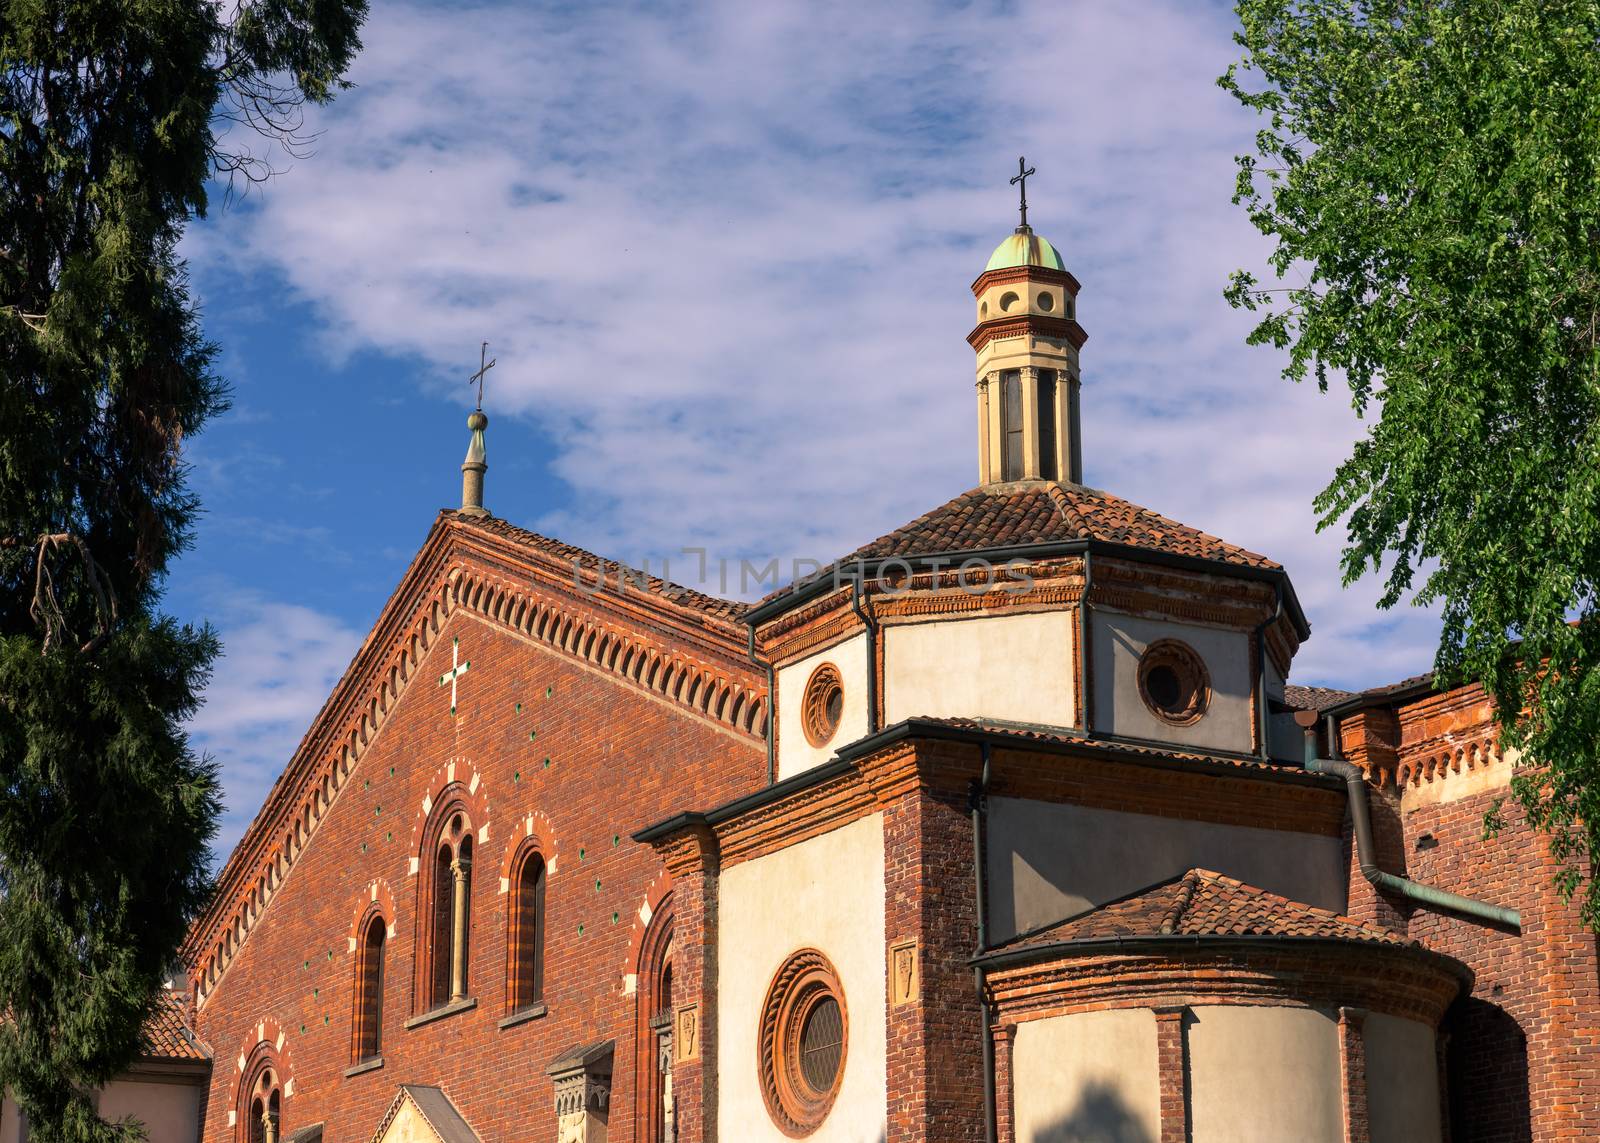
[[687, 1038], [904, 977]]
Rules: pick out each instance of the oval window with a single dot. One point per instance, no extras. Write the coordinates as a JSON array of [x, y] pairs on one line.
[[1008, 301], [823, 707], [1173, 682], [803, 1036], [1046, 303]]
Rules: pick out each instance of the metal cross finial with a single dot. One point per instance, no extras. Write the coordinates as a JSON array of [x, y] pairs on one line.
[[485, 365], [1023, 171]]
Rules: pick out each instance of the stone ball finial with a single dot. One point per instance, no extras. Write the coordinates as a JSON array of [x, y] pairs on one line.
[[477, 420]]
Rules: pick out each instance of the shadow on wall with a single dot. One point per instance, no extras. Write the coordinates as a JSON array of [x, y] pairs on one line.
[[1486, 1074], [1102, 1116]]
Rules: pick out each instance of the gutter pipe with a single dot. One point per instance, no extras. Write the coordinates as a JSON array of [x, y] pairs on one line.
[[856, 592], [1361, 819], [980, 971], [772, 709], [1085, 633], [1263, 719]]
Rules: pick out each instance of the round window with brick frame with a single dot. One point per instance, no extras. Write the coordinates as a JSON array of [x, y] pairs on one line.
[[1174, 682], [823, 706], [802, 1040]]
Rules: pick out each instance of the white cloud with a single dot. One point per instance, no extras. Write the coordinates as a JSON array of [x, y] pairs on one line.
[[722, 255], [279, 663]]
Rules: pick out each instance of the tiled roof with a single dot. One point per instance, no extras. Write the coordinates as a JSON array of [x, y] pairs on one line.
[[1315, 698], [166, 1037], [1205, 903], [588, 561], [1042, 512]]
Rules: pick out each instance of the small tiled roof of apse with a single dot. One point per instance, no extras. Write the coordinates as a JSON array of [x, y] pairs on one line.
[[165, 1036], [1045, 512], [1314, 698], [1205, 903], [710, 605]]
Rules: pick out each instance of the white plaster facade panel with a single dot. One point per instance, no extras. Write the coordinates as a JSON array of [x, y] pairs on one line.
[[1091, 1075], [1118, 641], [825, 893], [1264, 1075], [1013, 667], [1048, 861], [1402, 1080], [795, 752], [169, 1111]]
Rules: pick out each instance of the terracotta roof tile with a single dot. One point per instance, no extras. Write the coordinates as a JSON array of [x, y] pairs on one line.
[[1315, 698], [1040, 512], [1044, 512], [1205, 903], [166, 1037], [566, 553]]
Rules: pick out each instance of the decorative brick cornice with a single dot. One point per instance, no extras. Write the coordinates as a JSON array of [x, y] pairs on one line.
[[1259, 971], [1028, 325], [1044, 275], [673, 652]]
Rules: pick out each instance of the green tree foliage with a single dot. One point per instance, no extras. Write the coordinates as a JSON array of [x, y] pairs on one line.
[[112, 117], [1427, 172]]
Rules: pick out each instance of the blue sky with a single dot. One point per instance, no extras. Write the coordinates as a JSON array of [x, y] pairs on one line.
[[721, 253]]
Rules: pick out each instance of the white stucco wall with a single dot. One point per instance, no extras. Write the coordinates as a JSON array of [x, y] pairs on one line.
[[1264, 1075], [795, 752], [825, 893], [1049, 861], [1089, 1076], [1402, 1081], [1014, 667], [170, 1112], [1119, 640]]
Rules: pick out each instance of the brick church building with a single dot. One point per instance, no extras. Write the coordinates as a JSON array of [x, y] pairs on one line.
[[1006, 827]]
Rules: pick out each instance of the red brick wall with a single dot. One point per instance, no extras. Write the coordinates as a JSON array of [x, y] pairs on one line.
[[1522, 1052], [618, 760], [1523, 1055], [935, 1044]]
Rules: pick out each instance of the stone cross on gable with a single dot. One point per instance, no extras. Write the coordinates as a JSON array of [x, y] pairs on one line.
[[458, 667]]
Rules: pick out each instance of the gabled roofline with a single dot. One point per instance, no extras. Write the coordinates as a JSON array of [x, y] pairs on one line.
[[838, 575], [354, 711]]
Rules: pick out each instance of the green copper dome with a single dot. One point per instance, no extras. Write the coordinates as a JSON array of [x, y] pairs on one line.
[[1025, 248]]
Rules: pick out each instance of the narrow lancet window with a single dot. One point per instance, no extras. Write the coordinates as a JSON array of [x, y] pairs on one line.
[[368, 1037], [525, 959], [1047, 424], [1011, 425]]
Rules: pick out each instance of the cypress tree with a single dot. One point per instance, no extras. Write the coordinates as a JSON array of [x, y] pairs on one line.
[[111, 132]]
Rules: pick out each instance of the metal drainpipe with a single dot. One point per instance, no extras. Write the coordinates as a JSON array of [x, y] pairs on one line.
[[772, 709], [980, 805], [1085, 654], [872, 649], [1263, 720], [1361, 818]]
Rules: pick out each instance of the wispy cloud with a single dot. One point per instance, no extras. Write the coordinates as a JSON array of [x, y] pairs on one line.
[[722, 250], [279, 662]]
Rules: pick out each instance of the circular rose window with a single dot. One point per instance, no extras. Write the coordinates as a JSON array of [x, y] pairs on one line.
[[824, 704], [1173, 682], [802, 1042]]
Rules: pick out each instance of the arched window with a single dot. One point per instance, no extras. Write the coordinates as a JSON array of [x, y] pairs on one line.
[[525, 947], [654, 1112], [446, 912], [367, 1026], [260, 1116]]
